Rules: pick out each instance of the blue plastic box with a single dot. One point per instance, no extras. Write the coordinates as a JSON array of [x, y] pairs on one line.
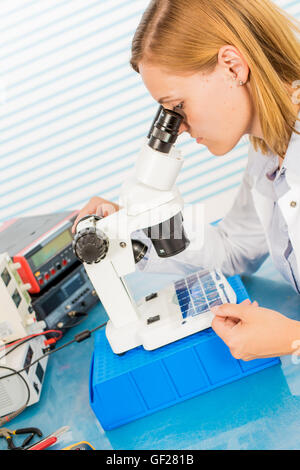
[[125, 388]]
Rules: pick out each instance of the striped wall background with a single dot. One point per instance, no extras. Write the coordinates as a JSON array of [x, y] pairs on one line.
[[73, 114]]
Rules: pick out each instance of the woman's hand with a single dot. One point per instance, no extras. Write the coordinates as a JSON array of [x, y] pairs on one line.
[[252, 332], [98, 206]]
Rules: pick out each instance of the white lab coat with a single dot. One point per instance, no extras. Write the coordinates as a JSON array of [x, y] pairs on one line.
[[239, 243]]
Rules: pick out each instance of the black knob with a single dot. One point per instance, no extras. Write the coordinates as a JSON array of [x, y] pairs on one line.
[[90, 245]]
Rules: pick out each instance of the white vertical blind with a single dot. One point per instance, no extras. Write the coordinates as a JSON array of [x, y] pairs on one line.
[[73, 114]]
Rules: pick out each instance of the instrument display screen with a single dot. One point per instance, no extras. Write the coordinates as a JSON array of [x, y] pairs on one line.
[[51, 249]]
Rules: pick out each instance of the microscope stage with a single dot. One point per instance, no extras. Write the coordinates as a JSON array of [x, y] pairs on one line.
[[182, 308]]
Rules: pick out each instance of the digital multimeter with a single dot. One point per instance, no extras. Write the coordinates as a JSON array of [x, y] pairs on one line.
[[41, 245]]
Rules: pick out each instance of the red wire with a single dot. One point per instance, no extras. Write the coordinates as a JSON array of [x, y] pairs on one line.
[[32, 336]]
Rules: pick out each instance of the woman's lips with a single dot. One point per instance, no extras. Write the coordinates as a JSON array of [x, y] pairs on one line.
[[199, 140]]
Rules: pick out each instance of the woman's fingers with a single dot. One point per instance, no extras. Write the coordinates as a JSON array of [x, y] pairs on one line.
[[97, 206], [105, 209]]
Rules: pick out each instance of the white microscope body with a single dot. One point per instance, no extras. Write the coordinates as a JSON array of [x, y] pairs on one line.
[[148, 198]]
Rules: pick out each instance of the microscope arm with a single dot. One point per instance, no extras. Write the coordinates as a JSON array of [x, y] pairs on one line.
[[113, 292], [107, 276]]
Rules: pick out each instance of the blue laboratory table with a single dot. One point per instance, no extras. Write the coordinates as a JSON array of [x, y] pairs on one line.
[[261, 411]]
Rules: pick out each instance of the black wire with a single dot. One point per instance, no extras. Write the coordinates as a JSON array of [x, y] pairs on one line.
[[51, 352], [83, 314], [19, 344], [15, 347], [13, 414]]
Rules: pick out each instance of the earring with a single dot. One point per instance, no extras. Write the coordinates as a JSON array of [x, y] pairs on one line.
[[241, 83]]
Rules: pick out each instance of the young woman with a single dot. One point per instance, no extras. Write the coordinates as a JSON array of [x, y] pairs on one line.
[[232, 68]]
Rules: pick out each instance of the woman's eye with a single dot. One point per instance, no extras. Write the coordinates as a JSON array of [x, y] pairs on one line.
[[180, 110], [179, 106]]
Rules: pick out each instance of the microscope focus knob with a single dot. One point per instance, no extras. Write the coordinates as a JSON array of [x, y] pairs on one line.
[[90, 245]]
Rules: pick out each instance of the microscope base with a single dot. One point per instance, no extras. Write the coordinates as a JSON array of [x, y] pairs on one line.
[[175, 312], [171, 332], [137, 334]]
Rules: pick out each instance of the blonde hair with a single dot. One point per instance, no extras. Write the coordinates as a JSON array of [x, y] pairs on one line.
[[186, 36]]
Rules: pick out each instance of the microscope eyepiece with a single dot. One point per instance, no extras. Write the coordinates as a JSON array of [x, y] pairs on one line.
[[164, 130]]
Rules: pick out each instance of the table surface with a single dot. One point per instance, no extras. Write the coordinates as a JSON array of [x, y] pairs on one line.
[[261, 411]]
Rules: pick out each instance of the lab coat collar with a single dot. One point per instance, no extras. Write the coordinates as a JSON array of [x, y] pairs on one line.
[[292, 158]]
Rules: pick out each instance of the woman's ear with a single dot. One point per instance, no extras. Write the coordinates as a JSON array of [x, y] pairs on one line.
[[234, 63]]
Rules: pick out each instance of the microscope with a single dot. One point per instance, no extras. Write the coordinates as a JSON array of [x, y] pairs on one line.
[[150, 202]]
